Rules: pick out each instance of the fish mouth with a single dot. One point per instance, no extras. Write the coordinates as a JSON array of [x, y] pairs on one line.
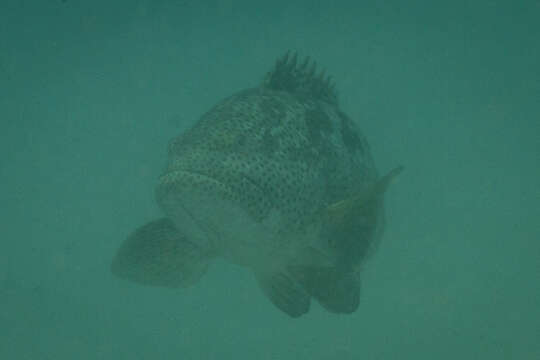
[[204, 205]]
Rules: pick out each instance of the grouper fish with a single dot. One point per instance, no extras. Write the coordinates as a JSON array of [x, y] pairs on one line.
[[277, 179]]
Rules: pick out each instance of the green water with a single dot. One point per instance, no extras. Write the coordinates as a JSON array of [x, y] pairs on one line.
[[91, 92]]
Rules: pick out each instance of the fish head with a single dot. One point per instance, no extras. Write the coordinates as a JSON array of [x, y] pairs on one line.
[[231, 176]]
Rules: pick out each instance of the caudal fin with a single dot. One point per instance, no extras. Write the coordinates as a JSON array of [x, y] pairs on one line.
[[157, 254]]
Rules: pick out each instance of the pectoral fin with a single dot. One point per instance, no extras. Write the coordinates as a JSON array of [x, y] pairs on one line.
[[363, 202], [157, 254], [351, 226]]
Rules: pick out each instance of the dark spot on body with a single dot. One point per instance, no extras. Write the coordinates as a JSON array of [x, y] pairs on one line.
[[241, 140], [272, 111], [318, 124], [269, 142], [350, 136]]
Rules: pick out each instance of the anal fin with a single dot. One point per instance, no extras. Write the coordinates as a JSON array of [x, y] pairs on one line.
[[157, 254], [336, 289]]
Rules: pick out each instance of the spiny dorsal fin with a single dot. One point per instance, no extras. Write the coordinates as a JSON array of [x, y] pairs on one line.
[[300, 78]]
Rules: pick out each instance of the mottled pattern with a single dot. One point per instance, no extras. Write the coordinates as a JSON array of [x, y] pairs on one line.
[[300, 154], [277, 179], [284, 147]]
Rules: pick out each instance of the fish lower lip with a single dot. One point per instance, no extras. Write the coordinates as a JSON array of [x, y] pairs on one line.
[[198, 188], [206, 208]]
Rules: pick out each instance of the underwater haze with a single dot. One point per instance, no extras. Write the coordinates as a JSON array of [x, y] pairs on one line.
[[91, 92]]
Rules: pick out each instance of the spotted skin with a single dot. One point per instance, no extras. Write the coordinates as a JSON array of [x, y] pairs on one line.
[[275, 178], [296, 154]]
